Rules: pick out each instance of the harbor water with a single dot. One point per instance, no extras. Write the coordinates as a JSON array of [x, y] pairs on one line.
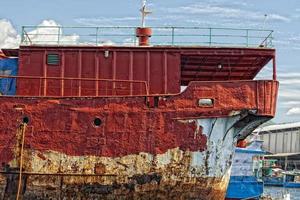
[[277, 192]]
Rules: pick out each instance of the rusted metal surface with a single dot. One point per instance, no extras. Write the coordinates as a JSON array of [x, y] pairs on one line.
[[110, 123], [155, 147], [121, 87], [164, 69]]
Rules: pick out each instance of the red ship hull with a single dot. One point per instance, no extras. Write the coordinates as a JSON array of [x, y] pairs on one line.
[[171, 148], [111, 123]]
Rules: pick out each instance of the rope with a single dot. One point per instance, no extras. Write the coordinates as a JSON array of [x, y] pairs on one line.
[[23, 127]]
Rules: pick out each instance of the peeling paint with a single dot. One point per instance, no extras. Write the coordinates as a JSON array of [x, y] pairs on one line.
[[177, 150]]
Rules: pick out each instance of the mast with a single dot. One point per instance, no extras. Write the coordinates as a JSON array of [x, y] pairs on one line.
[[144, 12], [143, 32]]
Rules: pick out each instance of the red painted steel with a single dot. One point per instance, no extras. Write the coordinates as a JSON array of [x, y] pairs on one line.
[[144, 34], [164, 69], [160, 70], [129, 125], [144, 113]]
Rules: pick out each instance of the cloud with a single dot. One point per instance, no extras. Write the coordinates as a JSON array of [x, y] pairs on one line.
[[291, 103], [50, 33], [105, 21], [112, 21], [289, 94], [230, 2], [289, 98], [285, 74], [294, 111], [290, 81], [9, 37], [225, 11], [277, 17]]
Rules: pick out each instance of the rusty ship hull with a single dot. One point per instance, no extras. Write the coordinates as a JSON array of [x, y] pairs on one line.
[[173, 150], [113, 122]]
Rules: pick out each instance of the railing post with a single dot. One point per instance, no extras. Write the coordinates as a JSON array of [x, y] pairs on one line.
[[22, 36], [271, 39], [247, 37], [134, 37], [173, 35], [274, 69], [58, 36], [97, 30], [210, 35]]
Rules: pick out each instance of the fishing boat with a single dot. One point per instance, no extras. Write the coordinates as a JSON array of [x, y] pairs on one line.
[[246, 173], [155, 115]]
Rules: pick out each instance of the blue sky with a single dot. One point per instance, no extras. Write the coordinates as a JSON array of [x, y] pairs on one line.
[[283, 17]]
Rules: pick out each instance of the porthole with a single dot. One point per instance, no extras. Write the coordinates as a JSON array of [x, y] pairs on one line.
[[25, 120], [97, 122], [206, 102]]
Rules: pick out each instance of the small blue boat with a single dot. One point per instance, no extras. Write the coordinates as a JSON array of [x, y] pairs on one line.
[[245, 182]]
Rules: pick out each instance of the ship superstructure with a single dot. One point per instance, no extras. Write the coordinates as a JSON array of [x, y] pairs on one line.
[[94, 120]]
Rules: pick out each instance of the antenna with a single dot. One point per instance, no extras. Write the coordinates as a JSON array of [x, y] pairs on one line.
[[144, 33], [265, 20], [144, 12]]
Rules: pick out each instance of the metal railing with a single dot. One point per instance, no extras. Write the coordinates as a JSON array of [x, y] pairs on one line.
[[78, 87], [125, 36]]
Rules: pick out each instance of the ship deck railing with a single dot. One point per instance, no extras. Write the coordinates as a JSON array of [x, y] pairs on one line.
[[102, 87], [126, 36]]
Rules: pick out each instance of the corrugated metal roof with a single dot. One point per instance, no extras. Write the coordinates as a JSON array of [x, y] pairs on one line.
[[278, 127]]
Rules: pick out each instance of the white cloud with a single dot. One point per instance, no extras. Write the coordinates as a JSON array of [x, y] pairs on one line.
[[113, 21], [294, 111], [104, 21], [231, 2], [290, 74], [290, 94], [9, 38], [291, 103], [224, 11], [8, 35], [277, 17], [290, 81], [49, 33]]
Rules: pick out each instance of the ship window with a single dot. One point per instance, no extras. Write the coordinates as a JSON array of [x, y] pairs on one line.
[[25, 120], [97, 122], [53, 59], [206, 102]]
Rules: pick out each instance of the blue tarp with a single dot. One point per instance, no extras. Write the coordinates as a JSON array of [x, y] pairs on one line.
[[8, 67]]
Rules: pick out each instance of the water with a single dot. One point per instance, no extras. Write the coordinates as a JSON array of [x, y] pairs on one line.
[[277, 192]]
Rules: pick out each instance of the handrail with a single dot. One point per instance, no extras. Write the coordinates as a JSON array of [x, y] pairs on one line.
[[269, 37], [164, 35], [137, 95], [82, 79]]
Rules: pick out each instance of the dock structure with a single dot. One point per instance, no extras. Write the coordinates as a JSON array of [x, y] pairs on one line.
[[281, 138]]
